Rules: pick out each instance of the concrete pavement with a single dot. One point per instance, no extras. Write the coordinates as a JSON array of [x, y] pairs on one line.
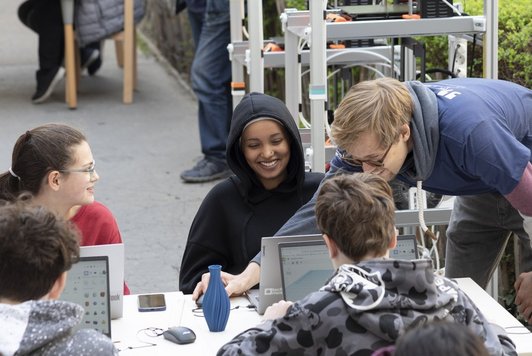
[[140, 149]]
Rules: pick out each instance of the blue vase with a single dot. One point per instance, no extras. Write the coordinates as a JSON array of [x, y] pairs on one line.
[[216, 305]]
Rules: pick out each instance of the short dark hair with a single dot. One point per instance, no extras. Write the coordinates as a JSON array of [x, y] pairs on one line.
[[36, 247], [357, 212], [440, 338], [37, 152]]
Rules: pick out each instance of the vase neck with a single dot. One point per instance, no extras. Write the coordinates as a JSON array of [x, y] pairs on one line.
[[215, 271]]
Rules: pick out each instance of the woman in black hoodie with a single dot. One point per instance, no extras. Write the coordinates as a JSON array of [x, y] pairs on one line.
[[264, 152]]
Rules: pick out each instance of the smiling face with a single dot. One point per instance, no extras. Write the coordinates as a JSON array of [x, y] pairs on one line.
[[266, 148], [77, 183]]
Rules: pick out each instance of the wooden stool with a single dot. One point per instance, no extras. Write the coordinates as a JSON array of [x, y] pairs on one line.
[[125, 52]]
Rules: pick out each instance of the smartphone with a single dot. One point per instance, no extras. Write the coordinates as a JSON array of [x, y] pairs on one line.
[[151, 302]]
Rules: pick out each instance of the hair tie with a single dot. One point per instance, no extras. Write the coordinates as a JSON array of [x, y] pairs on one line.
[[13, 174], [27, 136]]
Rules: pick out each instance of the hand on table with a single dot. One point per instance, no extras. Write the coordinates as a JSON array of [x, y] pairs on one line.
[[234, 284], [277, 310], [523, 295]]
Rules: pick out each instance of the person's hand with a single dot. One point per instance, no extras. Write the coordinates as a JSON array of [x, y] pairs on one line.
[[523, 295], [202, 285], [277, 310], [234, 284]]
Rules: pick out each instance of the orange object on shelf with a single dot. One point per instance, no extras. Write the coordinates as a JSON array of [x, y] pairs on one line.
[[272, 47], [238, 85], [337, 46], [411, 17], [335, 18]]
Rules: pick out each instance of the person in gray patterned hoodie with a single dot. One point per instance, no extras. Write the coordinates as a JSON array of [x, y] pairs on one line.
[[371, 300], [36, 250]]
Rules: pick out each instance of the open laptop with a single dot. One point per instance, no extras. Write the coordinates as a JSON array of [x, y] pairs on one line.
[[88, 285], [115, 254], [270, 289], [406, 248], [305, 267]]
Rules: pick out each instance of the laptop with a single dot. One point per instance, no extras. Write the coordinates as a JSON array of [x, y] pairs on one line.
[[88, 285], [406, 248], [270, 288], [305, 268], [115, 253]]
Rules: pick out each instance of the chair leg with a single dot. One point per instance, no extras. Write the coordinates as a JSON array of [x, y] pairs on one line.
[[119, 49], [70, 66], [77, 63], [129, 51], [135, 59]]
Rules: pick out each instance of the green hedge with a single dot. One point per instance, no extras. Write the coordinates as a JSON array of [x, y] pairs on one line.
[[515, 42]]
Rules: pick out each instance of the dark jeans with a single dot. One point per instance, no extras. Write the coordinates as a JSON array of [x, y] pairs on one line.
[[211, 76], [45, 18], [478, 231]]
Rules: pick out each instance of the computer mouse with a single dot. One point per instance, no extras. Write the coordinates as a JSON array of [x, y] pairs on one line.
[[180, 335]]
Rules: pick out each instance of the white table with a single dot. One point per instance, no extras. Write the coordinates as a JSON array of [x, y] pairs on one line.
[[496, 314], [125, 331]]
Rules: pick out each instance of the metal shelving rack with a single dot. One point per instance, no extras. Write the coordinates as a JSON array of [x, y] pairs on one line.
[[312, 25]]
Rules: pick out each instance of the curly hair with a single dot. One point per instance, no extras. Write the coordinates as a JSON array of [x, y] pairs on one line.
[[36, 247]]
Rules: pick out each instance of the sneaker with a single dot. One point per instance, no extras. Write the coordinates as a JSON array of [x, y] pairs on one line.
[[89, 56], [95, 66], [46, 83], [206, 170]]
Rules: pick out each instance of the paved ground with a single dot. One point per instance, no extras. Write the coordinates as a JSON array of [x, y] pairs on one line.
[[140, 149]]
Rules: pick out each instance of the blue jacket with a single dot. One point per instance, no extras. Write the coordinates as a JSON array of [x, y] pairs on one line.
[[482, 137]]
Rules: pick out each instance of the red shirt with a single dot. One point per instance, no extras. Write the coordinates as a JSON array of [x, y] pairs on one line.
[[97, 226]]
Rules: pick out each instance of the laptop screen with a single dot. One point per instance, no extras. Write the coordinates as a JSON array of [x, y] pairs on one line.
[[406, 248], [305, 267], [115, 253], [88, 285], [271, 287]]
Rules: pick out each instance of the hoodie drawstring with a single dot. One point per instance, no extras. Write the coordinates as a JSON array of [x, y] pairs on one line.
[[421, 216]]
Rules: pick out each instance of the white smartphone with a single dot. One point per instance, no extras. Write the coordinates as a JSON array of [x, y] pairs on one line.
[[151, 302]]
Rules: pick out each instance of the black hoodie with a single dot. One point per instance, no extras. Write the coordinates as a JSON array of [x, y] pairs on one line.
[[238, 212]]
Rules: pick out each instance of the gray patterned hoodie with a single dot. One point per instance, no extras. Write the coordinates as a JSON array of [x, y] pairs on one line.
[[44, 327], [364, 307]]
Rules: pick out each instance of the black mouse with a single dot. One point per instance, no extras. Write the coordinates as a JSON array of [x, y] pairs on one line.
[[180, 335]]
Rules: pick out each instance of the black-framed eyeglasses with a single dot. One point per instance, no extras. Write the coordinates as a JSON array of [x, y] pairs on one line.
[[347, 158], [91, 169]]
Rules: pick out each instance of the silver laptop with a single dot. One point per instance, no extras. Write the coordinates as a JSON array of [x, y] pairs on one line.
[[406, 248], [88, 285], [305, 268], [270, 289], [115, 253]]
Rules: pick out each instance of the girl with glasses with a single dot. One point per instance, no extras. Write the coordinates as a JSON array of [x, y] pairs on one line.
[[54, 163]]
